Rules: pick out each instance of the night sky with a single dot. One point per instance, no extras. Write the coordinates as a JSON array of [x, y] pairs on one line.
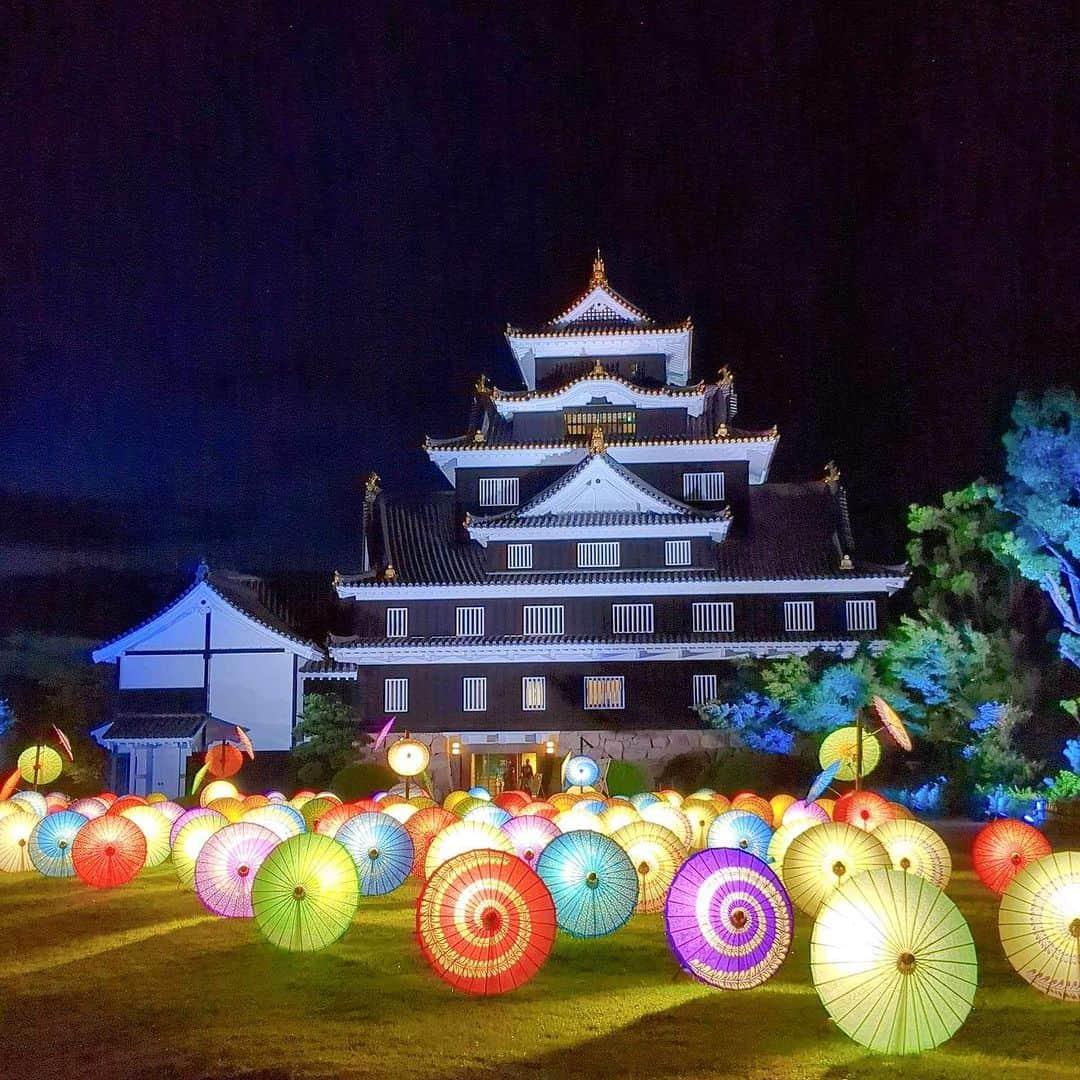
[[251, 252]]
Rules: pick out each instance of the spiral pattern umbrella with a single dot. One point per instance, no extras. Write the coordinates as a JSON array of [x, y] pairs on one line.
[[40, 764], [592, 881], [486, 922], [155, 828], [840, 747], [820, 860], [190, 840], [226, 867], [656, 855], [1039, 924], [381, 848], [728, 920], [1003, 848], [50, 843], [916, 849], [108, 851], [530, 835], [893, 962], [280, 818], [464, 836], [305, 893], [581, 770], [15, 831], [422, 828], [863, 809], [743, 830]]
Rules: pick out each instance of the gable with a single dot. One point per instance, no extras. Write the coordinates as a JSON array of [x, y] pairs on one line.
[[601, 305]]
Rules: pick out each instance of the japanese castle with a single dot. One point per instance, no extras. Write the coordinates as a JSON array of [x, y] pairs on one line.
[[608, 540]]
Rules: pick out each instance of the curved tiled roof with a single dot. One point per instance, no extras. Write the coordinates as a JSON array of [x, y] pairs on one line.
[[592, 329]]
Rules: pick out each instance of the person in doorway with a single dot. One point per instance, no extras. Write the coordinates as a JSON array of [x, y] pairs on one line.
[[510, 775], [527, 777]]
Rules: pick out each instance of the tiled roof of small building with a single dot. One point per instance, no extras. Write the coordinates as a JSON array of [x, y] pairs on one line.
[[156, 726]]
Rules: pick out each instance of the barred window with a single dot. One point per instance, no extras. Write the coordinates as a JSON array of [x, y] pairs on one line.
[[594, 555], [798, 616], [605, 692], [703, 486], [470, 622], [474, 694], [631, 618], [579, 423], [499, 491], [676, 552], [542, 619], [534, 693], [396, 695], [704, 689], [861, 614], [714, 617], [397, 622], [519, 556]]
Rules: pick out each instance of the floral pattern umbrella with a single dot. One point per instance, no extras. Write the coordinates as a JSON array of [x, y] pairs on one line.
[[382, 850], [728, 920], [1003, 848], [51, 840], [226, 867]]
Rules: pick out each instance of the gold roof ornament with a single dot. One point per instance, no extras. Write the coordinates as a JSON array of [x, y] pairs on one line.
[[467, 520], [722, 431], [478, 436], [599, 275], [724, 376], [832, 473], [482, 386], [337, 577], [371, 484], [846, 563], [389, 574], [597, 445], [598, 368]]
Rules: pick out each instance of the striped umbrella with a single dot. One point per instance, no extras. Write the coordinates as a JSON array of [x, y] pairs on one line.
[[381, 848]]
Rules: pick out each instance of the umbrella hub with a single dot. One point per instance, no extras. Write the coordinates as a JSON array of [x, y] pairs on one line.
[[491, 919], [1074, 928], [643, 868], [744, 844], [1016, 858], [243, 871], [738, 918], [905, 963], [373, 854], [22, 842], [591, 879], [61, 844], [529, 854], [838, 868], [905, 863], [299, 892], [110, 851]]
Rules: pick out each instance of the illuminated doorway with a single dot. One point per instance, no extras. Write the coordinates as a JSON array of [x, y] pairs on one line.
[[506, 772]]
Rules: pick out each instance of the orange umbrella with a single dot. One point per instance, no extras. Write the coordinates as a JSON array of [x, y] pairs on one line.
[[223, 760], [1003, 848]]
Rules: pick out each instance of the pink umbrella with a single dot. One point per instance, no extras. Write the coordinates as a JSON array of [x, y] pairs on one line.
[[226, 866]]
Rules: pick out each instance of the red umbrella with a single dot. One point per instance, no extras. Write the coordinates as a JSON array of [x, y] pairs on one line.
[[65, 742], [1003, 848], [329, 823], [864, 809], [422, 828], [10, 784], [513, 801], [108, 851], [223, 759], [486, 922], [118, 806]]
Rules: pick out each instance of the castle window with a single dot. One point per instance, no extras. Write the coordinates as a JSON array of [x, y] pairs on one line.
[[605, 692], [676, 552], [499, 491], [397, 622], [542, 620], [470, 622], [591, 556], [632, 618], [474, 694], [534, 693], [579, 423], [703, 486], [703, 689], [798, 616], [519, 556], [714, 617], [396, 695], [861, 614]]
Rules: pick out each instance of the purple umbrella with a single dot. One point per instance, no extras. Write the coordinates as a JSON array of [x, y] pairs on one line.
[[729, 921], [226, 867]]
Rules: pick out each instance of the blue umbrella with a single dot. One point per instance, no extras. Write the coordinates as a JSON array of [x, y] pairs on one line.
[[50, 843], [592, 881], [490, 813], [824, 779], [480, 793], [740, 829], [643, 799], [381, 848], [580, 770]]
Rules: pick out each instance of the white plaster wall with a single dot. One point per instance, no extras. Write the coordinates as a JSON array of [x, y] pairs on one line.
[[230, 631], [255, 691], [167, 778], [188, 632], [150, 672]]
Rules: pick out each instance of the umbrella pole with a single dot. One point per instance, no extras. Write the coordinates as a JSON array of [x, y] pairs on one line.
[[37, 763], [858, 749]]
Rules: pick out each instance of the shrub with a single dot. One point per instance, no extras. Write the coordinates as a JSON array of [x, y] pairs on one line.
[[361, 781], [626, 778]]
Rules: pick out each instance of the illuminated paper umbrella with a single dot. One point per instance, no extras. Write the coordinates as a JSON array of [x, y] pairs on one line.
[[893, 962], [656, 854], [892, 722], [313, 809], [916, 849], [190, 840], [865, 809], [332, 820], [305, 893], [592, 881], [804, 811], [489, 813], [823, 781], [530, 834], [464, 836], [743, 830], [108, 851], [15, 830], [782, 839], [581, 771], [820, 860], [842, 746], [486, 922], [381, 848], [89, 807], [50, 843], [226, 867], [422, 828], [728, 920], [1003, 848], [279, 818], [223, 760], [40, 764], [670, 817], [31, 801], [1039, 924], [156, 827]]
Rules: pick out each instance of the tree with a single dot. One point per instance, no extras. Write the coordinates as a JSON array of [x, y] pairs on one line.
[[1042, 494], [325, 737]]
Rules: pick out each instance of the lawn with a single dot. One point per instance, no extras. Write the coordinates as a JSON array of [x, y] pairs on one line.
[[143, 982]]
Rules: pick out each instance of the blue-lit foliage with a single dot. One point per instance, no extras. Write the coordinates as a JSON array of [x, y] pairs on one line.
[[760, 722], [1072, 754]]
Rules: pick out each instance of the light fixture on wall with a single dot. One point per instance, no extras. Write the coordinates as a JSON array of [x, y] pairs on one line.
[[549, 747]]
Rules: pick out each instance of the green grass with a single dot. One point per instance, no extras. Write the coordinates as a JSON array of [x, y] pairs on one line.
[[143, 982]]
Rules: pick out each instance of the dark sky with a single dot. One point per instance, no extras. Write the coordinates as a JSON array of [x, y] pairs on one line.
[[251, 251]]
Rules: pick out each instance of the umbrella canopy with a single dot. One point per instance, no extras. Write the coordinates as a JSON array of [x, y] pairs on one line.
[[643, 799], [779, 804], [118, 806], [489, 813], [422, 828], [313, 809], [170, 810], [701, 813], [670, 817], [781, 840], [592, 881], [32, 802], [891, 722], [189, 842], [823, 781], [804, 811], [575, 819], [462, 806], [840, 747], [332, 820], [1003, 848], [479, 792], [305, 893], [486, 922], [15, 831], [156, 828], [893, 962], [189, 815], [618, 814], [223, 760], [755, 804], [226, 867], [670, 796], [108, 851], [382, 850], [217, 789], [916, 849], [50, 843], [279, 818], [728, 920], [89, 808], [580, 770], [40, 764], [11, 782], [530, 835], [820, 860], [464, 836], [743, 830], [540, 808], [656, 854], [1039, 924], [863, 809], [514, 801]]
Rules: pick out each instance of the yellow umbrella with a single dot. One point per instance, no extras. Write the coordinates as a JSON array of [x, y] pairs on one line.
[[842, 745], [657, 855], [40, 764], [217, 789], [617, 815], [156, 827], [781, 841], [916, 849], [819, 860], [702, 813], [779, 804], [464, 836], [662, 813], [15, 830]]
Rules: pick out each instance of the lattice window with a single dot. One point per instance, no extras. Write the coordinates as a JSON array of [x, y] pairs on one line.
[[470, 622], [600, 313], [703, 486], [499, 491], [632, 618], [714, 617], [534, 693], [861, 614], [676, 552], [579, 423], [594, 555], [474, 694], [542, 620], [396, 695], [703, 689], [798, 616], [605, 692], [397, 622], [519, 556]]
